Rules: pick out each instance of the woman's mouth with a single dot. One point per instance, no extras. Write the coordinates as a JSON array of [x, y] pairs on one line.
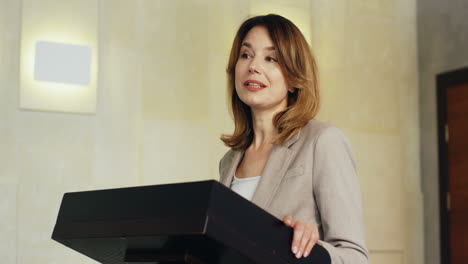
[[253, 85]]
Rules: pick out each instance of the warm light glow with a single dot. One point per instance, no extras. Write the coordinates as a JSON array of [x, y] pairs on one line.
[[62, 23]]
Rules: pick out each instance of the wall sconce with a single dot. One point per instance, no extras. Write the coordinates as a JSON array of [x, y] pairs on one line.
[[62, 63], [58, 59]]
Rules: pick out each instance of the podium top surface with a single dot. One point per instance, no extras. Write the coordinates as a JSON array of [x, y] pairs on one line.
[[195, 222]]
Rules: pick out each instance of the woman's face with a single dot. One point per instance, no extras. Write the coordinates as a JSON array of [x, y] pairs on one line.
[[259, 80]]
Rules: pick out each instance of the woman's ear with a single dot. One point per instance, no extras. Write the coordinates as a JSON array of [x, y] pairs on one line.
[[291, 89]]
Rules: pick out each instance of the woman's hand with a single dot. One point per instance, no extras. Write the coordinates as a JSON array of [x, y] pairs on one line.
[[304, 238]]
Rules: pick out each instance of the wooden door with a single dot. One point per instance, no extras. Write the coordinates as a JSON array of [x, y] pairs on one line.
[[452, 113], [457, 152]]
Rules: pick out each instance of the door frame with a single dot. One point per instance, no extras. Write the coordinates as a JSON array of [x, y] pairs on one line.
[[445, 81]]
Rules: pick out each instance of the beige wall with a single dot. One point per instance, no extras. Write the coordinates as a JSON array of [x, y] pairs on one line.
[[368, 61], [161, 109]]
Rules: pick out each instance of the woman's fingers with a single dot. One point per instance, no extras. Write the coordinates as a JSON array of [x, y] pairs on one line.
[[299, 228], [312, 241], [304, 238], [288, 220]]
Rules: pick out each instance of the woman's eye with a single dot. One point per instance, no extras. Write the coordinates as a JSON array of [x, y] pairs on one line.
[[245, 56], [271, 59]]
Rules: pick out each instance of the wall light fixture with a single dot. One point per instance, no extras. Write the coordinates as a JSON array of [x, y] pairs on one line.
[[62, 63], [59, 56]]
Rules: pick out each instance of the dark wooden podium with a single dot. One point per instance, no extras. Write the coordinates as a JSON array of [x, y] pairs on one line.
[[197, 222]]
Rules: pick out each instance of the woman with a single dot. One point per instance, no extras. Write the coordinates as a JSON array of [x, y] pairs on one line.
[[298, 169]]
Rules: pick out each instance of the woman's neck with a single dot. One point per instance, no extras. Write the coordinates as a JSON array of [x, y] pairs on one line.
[[264, 130]]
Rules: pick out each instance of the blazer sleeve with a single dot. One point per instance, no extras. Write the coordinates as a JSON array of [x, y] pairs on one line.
[[337, 194]]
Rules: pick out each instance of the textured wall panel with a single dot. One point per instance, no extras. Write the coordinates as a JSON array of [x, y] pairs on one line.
[[8, 223]]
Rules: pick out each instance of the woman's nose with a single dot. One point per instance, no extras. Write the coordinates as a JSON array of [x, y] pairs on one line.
[[253, 68]]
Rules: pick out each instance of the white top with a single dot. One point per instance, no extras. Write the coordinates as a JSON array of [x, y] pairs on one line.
[[245, 187]]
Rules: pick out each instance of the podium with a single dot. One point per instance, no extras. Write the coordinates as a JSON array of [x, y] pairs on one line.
[[197, 223]]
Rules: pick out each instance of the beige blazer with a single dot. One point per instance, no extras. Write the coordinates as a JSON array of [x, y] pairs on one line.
[[312, 177]]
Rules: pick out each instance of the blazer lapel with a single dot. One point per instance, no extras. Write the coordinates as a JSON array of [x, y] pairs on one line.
[[229, 172], [273, 173]]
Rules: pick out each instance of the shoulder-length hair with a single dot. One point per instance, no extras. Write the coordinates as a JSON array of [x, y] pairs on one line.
[[300, 70]]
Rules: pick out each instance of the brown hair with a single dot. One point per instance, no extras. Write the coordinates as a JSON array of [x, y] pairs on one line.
[[298, 65]]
